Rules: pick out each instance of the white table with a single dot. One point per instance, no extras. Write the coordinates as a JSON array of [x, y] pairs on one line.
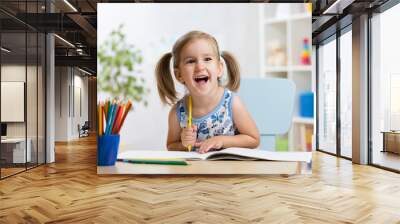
[[19, 149], [211, 167]]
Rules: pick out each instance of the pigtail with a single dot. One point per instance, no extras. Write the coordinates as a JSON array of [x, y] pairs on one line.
[[165, 82], [233, 71]]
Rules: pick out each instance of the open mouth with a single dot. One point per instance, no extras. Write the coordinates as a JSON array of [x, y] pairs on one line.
[[201, 79]]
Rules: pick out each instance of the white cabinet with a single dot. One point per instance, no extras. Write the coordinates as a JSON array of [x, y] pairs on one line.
[[17, 146], [284, 30]]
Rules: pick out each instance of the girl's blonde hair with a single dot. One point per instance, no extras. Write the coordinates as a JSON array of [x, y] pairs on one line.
[[165, 82]]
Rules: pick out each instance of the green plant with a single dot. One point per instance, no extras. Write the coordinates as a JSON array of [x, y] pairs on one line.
[[119, 71]]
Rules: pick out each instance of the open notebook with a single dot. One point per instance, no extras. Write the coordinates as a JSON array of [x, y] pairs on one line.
[[225, 154]]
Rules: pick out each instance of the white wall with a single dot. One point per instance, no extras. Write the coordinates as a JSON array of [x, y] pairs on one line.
[[66, 121], [15, 73], [80, 82], [61, 103], [154, 28]]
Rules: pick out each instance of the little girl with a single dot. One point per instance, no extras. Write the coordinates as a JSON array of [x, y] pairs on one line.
[[220, 119]]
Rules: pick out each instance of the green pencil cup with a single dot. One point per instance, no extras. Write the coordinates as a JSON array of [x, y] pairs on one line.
[[107, 149]]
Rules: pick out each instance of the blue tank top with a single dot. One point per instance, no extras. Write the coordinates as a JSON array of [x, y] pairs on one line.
[[217, 122]]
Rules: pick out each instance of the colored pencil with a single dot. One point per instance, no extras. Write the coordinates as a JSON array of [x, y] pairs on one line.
[[114, 116], [111, 116], [117, 119], [126, 111], [101, 119], [106, 109], [159, 162], [189, 122]]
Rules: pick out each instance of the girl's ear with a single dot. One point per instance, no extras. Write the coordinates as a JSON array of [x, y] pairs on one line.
[[221, 69], [178, 76]]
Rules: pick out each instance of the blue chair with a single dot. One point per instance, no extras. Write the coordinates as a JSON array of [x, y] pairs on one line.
[[270, 102]]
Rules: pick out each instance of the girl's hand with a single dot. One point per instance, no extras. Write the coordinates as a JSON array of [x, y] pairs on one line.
[[189, 136], [209, 144]]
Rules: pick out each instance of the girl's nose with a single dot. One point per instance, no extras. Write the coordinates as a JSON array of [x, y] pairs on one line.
[[199, 65]]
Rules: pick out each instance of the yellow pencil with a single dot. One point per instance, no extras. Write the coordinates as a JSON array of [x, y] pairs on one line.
[[125, 113], [99, 118], [189, 122]]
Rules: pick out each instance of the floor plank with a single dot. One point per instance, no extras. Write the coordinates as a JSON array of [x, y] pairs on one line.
[[387, 159], [70, 191]]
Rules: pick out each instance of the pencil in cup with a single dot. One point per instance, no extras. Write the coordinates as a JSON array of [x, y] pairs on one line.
[[127, 108], [100, 109], [111, 116], [114, 116], [117, 119]]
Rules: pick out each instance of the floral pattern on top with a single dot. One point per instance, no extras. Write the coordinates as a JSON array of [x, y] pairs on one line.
[[217, 122]]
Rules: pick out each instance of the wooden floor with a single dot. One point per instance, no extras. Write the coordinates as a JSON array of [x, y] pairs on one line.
[[387, 159], [10, 171], [70, 191]]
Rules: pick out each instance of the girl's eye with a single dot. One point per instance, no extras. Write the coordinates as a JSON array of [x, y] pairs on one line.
[[208, 59], [189, 61]]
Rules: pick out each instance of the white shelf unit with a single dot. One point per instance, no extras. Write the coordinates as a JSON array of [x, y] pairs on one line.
[[303, 120], [283, 28]]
